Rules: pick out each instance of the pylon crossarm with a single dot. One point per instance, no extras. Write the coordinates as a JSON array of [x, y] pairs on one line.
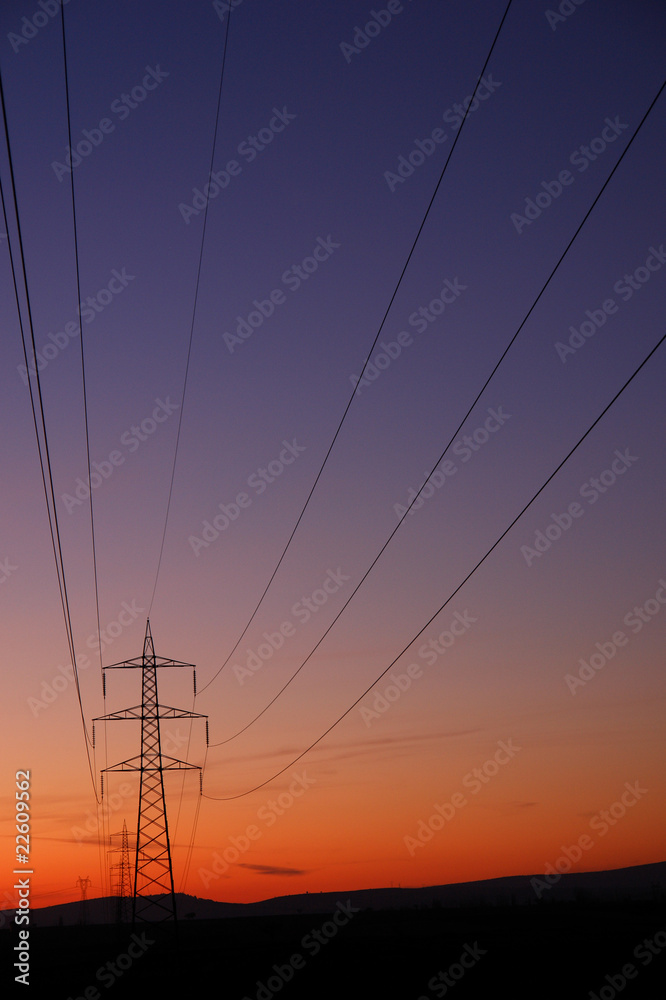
[[125, 713], [138, 661], [133, 764], [165, 712]]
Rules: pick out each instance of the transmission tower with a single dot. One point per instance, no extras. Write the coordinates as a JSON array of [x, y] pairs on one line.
[[82, 884], [121, 878], [153, 890]]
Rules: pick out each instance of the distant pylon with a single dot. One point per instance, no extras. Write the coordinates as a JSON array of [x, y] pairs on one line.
[[83, 884], [153, 891], [121, 879]]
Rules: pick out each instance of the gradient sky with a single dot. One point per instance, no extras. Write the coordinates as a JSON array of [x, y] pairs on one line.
[[551, 89]]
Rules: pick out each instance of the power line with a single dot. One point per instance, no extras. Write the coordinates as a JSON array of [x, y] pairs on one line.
[[455, 433], [379, 331], [85, 421], [190, 847], [227, 798], [78, 300], [42, 440]]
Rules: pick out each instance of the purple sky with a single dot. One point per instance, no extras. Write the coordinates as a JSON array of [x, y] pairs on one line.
[[313, 227]]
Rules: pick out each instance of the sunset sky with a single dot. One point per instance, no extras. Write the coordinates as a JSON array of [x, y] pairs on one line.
[[330, 144]]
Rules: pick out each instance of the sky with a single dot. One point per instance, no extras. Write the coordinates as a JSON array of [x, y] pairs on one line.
[[531, 706]]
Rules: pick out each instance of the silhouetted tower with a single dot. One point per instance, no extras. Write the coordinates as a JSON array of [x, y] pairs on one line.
[[121, 878], [153, 890], [83, 884]]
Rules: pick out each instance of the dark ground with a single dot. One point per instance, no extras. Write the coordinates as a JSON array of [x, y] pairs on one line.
[[559, 950]]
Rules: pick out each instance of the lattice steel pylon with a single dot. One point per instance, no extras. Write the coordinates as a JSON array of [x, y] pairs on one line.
[[83, 884], [121, 878], [154, 897]]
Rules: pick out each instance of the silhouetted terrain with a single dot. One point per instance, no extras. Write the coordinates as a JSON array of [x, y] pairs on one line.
[[411, 943], [642, 882]]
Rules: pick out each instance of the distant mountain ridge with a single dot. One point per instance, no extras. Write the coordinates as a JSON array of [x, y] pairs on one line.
[[636, 883]]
